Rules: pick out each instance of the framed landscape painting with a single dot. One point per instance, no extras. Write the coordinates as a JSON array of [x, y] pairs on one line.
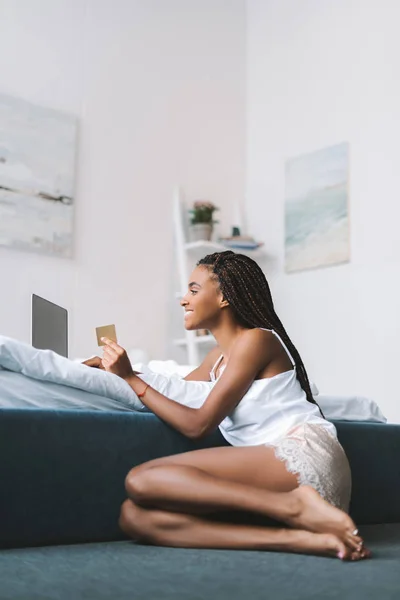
[[37, 165], [316, 209]]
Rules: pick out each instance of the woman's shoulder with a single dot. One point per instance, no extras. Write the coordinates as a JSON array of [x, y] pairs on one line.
[[256, 340], [265, 348], [257, 335]]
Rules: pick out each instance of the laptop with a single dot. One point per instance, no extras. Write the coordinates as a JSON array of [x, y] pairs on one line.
[[49, 326]]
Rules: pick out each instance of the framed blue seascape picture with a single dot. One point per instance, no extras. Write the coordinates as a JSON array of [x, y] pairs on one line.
[[316, 209]]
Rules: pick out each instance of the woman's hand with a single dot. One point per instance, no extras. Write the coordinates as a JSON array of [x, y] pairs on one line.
[[94, 362], [115, 359]]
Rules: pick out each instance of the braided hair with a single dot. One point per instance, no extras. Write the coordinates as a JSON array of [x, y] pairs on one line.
[[244, 286]]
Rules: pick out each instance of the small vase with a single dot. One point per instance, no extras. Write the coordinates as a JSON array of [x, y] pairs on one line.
[[200, 231]]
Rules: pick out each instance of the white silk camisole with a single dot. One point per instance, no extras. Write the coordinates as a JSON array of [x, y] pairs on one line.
[[271, 408]]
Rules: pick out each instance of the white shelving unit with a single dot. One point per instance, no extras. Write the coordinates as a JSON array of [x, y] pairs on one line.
[[187, 253]]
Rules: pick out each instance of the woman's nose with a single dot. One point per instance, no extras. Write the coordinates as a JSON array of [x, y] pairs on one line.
[[183, 301]]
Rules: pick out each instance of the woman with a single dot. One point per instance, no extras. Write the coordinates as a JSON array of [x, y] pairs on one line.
[[284, 462]]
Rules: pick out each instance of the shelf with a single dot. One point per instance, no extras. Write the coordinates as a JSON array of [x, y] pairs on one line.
[[204, 245], [200, 340], [211, 247]]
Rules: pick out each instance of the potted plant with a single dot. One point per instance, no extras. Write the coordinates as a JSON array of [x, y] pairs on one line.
[[201, 220]]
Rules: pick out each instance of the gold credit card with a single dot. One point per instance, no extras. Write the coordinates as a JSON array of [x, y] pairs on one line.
[[107, 331]]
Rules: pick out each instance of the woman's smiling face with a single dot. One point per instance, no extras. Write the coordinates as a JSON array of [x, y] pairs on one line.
[[203, 300]]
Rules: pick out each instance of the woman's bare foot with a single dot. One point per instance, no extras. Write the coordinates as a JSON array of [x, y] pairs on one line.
[[313, 513], [325, 544]]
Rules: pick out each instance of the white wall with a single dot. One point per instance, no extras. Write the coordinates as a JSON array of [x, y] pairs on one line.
[[319, 73], [159, 89]]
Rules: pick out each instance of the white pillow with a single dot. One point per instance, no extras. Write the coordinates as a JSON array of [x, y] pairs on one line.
[[350, 408], [170, 367]]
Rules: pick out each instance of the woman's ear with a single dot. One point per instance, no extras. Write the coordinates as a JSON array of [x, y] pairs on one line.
[[223, 303]]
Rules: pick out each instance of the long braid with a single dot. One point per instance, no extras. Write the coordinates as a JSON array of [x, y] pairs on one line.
[[244, 286]]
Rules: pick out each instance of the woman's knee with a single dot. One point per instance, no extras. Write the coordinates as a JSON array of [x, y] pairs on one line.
[[130, 520], [139, 483], [146, 525]]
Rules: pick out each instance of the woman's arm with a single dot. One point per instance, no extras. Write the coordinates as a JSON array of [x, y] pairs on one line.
[[250, 354]]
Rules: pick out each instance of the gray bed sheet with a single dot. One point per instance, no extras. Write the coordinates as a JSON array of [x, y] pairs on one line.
[[20, 391]]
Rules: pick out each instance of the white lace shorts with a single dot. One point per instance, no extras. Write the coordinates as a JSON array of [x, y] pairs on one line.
[[315, 455]]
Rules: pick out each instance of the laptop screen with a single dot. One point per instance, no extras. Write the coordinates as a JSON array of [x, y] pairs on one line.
[[49, 326]]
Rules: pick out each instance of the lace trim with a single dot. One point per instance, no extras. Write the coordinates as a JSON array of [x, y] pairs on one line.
[[317, 459], [290, 453]]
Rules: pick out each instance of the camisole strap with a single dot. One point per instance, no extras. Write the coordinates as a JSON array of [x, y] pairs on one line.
[[215, 367], [283, 344]]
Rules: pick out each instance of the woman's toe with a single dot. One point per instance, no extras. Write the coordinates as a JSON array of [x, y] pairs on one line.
[[356, 543]]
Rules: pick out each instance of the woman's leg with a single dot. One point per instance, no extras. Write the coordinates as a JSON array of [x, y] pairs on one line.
[[163, 528], [248, 479]]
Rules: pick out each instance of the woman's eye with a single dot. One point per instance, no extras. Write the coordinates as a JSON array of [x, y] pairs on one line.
[[194, 292]]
